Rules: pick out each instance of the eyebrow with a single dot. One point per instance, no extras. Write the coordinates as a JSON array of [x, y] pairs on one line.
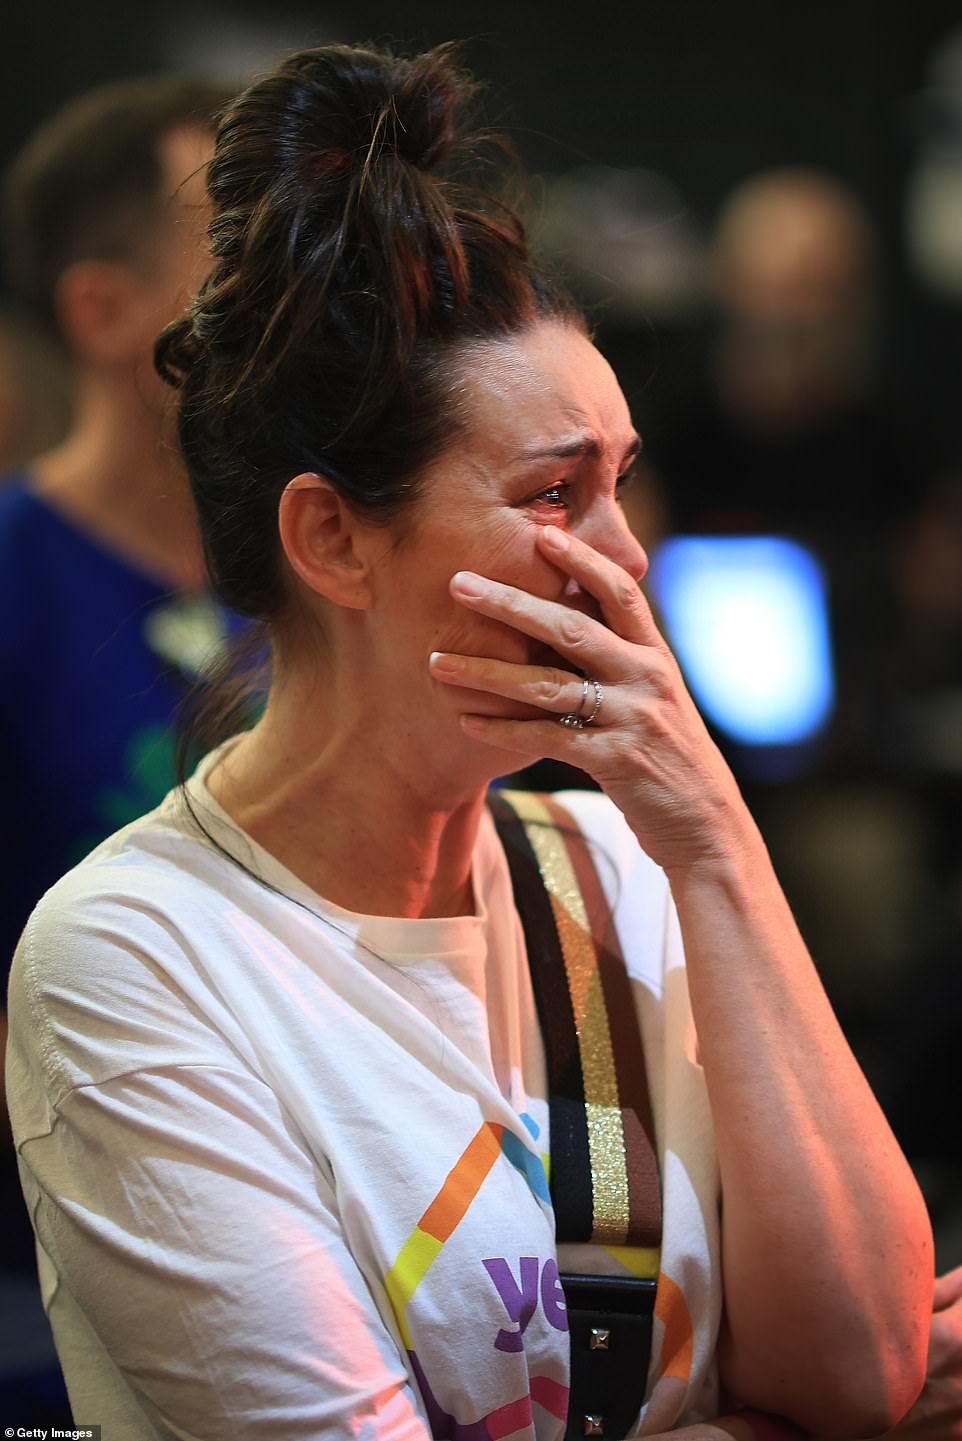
[[586, 444]]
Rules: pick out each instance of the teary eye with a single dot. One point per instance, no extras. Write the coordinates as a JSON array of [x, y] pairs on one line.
[[555, 496]]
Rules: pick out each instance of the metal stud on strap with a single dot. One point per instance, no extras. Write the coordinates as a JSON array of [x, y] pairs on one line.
[[598, 1338], [594, 1425]]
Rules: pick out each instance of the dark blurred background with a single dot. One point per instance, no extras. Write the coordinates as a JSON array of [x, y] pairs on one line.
[[762, 206]]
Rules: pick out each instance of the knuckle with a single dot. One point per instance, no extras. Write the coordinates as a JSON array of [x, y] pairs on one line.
[[649, 721], [660, 678], [628, 595], [572, 631], [622, 757], [549, 690]]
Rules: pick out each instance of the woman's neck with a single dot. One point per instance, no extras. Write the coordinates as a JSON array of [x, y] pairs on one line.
[[363, 831]]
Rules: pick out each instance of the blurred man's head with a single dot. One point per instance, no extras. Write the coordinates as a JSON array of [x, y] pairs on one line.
[[104, 217], [794, 271]]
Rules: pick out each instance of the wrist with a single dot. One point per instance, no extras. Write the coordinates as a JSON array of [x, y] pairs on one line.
[[734, 853]]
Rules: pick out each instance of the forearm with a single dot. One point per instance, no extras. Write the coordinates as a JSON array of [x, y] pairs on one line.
[[827, 1249]]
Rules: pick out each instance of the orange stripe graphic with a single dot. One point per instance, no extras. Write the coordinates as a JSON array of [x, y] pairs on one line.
[[671, 1308], [463, 1182]]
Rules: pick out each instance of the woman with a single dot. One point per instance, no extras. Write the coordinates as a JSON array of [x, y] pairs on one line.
[[276, 1071]]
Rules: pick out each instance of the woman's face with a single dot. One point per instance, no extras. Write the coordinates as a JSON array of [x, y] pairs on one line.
[[548, 441]]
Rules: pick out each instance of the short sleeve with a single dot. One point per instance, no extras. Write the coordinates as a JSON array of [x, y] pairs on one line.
[[201, 1246]]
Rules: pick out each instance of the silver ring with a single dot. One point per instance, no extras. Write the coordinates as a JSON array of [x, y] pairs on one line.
[[599, 697], [577, 720]]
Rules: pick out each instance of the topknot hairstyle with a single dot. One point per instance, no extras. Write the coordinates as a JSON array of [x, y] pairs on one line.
[[354, 253]]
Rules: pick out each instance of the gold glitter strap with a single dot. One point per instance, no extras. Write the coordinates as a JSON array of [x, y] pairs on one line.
[[610, 1204]]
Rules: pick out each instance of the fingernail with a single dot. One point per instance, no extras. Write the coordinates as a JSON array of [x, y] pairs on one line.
[[441, 660], [468, 583], [554, 538]]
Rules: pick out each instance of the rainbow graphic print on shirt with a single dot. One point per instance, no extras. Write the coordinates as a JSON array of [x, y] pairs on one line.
[[461, 1186]]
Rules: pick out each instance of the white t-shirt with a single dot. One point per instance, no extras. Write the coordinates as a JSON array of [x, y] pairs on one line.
[[285, 1162]]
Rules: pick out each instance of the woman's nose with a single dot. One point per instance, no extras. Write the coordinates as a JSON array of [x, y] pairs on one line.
[[611, 534]]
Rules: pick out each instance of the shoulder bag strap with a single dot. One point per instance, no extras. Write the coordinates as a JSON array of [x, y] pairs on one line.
[[604, 1172]]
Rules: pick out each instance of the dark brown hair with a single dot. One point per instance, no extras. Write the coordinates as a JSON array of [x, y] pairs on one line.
[[356, 254], [87, 185]]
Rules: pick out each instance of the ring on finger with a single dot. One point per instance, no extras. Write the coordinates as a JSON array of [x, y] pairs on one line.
[[577, 720], [573, 718], [599, 698]]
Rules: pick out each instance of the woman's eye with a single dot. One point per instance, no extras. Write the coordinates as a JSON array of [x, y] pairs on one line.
[[556, 496]]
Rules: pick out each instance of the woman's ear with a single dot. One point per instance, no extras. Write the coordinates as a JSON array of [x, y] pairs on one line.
[[325, 542]]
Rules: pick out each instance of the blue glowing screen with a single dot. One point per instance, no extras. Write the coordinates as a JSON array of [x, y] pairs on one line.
[[747, 618]]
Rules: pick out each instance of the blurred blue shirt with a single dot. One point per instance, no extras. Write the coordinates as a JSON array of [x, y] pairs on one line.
[[94, 658]]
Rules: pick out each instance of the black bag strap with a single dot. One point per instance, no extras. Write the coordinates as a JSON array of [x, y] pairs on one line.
[[604, 1172]]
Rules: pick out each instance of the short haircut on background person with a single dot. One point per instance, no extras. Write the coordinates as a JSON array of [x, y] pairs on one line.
[[89, 184]]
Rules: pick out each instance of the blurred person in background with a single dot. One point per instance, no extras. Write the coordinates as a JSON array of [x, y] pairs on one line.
[[104, 241], [791, 361], [790, 433], [787, 432], [102, 616], [34, 392]]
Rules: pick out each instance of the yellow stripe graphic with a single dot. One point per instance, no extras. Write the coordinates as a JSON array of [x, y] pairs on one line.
[[643, 1261], [420, 1250], [414, 1259]]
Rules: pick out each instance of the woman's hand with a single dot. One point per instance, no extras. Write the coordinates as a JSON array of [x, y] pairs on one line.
[[826, 1244], [647, 747]]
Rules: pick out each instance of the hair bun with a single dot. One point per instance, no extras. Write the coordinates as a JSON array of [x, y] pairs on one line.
[[352, 107], [324, 214], [425, 108]]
